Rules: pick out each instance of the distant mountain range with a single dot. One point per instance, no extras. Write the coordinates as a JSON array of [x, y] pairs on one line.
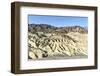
[[46, 28]]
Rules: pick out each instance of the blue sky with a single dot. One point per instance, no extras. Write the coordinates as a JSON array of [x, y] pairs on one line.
[[58, 21]]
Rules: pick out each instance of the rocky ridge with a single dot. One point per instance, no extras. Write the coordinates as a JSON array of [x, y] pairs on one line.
[[46, 41]]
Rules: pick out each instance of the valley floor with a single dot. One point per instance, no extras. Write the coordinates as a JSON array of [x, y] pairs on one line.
[[62, 57]]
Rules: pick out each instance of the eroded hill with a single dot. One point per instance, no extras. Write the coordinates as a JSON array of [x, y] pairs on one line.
[[46, 41]]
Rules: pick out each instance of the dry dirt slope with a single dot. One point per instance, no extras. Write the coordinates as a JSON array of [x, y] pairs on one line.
[[55, 44]]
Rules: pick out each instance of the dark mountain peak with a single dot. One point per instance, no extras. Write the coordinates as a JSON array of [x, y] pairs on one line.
[[40, 25], [49, 28]]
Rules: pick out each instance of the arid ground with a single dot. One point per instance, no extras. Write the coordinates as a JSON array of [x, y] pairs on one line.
[[49, 42]]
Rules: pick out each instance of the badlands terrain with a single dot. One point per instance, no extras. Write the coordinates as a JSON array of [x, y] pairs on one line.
[[49, 42]]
